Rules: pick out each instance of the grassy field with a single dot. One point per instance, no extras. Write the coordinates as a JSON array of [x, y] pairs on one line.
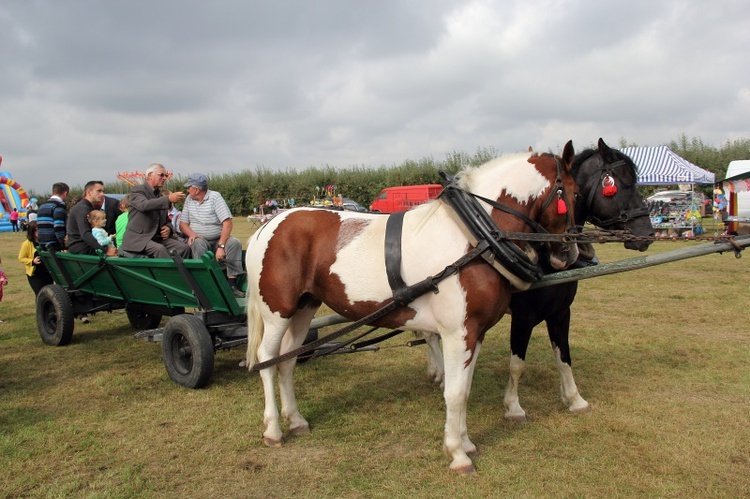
[[661, 354]]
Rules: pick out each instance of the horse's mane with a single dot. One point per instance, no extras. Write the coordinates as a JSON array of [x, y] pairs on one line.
[[465, 176], [585, 155]]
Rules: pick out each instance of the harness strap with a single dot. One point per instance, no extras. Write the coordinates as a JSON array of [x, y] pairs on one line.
[[393, 229]]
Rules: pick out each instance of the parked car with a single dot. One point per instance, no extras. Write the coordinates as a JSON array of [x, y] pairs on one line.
[[676, 197], [352, 205]]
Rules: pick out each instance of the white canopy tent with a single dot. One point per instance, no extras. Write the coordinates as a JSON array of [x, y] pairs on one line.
[[661, 166]]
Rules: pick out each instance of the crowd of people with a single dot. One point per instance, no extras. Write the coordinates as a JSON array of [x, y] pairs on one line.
[[145, 223]]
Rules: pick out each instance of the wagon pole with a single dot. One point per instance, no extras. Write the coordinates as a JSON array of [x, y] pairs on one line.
[[720, 246], [641, 262]]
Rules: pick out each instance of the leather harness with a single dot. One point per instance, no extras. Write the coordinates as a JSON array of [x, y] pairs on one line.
[[520, 266]]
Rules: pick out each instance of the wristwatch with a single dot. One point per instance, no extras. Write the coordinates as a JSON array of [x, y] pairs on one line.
[[222, 246]]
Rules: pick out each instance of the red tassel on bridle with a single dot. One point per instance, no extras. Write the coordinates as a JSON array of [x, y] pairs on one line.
[[562, 208], [609, 188]]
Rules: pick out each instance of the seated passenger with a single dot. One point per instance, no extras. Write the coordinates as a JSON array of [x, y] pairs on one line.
[[207, 223], [148, 231]]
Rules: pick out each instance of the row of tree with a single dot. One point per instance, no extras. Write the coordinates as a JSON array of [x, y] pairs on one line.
[[247, 190]]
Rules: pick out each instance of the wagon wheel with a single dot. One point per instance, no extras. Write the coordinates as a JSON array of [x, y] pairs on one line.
[[54, 315], [188, 351], [143, 320]]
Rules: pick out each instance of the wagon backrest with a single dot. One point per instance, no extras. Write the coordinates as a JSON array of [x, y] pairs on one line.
[[154, 281]]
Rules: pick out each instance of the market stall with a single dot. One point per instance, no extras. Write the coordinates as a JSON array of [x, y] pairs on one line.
[[661, 166], [736, 189]]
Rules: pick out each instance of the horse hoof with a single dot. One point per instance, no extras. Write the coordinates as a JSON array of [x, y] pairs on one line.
[[516, 418], [467, 470], [473, 453], [272, 442], [581, 410], [300, 430]]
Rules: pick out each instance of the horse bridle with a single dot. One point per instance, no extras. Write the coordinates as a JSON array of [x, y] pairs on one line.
[[625, 215], [557, 190]]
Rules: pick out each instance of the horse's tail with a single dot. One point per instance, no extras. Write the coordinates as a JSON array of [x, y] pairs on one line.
[[255, 329]]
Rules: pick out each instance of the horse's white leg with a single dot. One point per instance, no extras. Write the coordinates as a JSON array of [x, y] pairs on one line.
[[568, 388], [268, 349], [467, 444], [294, 337], [455, 395], [513, 409], [434, 358]]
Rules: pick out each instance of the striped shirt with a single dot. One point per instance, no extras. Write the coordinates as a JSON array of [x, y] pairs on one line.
[[50, 222], [205, 218]]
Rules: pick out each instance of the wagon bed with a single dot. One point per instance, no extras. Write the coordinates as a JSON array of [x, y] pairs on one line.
[[204, 313], [161, 284]]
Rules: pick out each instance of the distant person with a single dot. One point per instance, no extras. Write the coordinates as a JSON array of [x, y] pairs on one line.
[[122, 221], [36, 272], [98, 220], [81, 239], [3, 281], [52, 217], [14, 220], [207, 223], [148, 231]]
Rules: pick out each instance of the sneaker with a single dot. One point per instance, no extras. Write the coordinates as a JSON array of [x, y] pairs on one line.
[[85, 319], [237, 292]]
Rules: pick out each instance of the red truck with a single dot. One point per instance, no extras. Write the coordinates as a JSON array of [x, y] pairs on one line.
[[393, 199]]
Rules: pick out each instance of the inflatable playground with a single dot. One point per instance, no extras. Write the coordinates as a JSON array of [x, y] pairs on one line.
[[12, 196]]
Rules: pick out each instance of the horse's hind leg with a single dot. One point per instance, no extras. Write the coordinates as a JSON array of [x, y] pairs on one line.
[[269, 348], [521, 327], [293, 338], [434, 358], [559, 331]]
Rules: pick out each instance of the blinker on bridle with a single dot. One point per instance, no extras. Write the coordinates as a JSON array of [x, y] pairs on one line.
[[609, 190], [562, 205]]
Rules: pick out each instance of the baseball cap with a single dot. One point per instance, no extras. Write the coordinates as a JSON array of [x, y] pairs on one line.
[[197, 180]]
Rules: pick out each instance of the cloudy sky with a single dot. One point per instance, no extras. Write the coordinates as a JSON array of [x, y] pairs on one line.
[[92, 88]]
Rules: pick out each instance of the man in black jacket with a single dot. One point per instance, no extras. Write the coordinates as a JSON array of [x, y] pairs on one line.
[[80, 238]]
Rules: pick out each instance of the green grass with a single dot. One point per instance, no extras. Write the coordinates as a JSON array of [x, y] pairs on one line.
[[660, 353]]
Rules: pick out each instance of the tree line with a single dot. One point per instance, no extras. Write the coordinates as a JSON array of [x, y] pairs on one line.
[[247, 190]]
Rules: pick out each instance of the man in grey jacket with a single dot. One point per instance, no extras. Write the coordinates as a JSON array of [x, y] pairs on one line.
[[149, 231]]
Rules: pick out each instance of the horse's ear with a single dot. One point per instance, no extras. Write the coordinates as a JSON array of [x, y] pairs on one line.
[[568, 154], [603, 147]]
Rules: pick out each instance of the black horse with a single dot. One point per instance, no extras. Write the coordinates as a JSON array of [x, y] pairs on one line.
[[609, 199]]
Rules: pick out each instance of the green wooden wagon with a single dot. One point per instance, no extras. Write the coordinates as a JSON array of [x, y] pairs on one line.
[[204, 313]]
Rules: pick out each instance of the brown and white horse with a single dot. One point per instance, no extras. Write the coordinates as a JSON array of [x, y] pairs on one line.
[[306, 256]]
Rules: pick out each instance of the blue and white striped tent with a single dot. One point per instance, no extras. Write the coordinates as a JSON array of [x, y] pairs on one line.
[[661, 166]]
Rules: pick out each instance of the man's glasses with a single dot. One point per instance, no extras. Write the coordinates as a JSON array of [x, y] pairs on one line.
[[162, 175]]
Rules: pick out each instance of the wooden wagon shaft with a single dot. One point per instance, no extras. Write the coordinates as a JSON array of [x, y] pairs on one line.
[[642, 262], [636, 263]]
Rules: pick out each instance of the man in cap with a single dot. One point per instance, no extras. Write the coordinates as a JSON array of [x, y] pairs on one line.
[[207, 223]]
